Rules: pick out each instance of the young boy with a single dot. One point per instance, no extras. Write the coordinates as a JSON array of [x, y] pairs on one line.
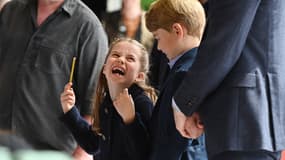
[[177, 25]]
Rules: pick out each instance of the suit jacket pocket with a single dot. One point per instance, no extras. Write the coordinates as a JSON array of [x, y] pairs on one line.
[[242, 80]]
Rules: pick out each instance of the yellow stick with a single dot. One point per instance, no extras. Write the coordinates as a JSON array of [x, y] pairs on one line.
[[72, 69]]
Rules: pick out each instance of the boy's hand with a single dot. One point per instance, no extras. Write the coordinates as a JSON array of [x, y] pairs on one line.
[[193, 126], [180, 120], [188, 127], [124, 105], [67, 98]]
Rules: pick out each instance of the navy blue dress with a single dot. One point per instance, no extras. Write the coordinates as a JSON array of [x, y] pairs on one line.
[[118, 140]]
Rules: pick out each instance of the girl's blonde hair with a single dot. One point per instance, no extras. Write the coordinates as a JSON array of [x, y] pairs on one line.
[[164, 13], [102, 86]]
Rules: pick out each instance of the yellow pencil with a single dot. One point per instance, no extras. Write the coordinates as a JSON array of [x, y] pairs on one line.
[[72, 69]]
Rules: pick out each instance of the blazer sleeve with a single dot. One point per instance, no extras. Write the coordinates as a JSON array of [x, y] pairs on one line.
[[81, 130], [229, 23]]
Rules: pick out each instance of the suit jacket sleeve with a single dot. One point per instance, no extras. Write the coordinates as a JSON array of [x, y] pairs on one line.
[[229, 23]]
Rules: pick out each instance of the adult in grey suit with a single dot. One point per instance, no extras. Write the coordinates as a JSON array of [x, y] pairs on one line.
[[237, 82]]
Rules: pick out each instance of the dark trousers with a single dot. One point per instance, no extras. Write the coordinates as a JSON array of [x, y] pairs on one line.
[[250, 155]]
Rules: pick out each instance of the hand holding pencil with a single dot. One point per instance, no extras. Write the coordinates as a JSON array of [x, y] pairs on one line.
[[67, 97]]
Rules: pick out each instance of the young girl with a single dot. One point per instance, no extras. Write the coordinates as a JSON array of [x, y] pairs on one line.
[[123, 106]]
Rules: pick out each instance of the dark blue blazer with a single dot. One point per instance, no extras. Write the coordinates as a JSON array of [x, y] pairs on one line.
[[237, 81], [167, 143], [118, 140]]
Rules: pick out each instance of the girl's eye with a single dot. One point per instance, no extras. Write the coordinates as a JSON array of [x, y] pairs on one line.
[[131, 59], [115, 55]]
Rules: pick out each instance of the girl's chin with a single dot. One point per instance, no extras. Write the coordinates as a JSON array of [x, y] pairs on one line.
[[116, 78]]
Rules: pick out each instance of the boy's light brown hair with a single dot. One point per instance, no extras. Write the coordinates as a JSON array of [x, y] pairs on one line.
[[164, 13]]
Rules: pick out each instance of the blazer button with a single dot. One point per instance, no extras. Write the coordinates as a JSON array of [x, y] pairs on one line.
[[192, 101], [106, 111], [189, 103]]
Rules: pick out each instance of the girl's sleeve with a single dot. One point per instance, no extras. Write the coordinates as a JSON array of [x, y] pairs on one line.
[[81, 130], [137, 134]]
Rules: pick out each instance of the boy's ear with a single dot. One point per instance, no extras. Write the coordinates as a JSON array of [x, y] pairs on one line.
[[177, 28], [140, 77]]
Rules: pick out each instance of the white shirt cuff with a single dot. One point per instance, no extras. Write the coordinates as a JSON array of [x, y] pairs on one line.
[[174, 105]]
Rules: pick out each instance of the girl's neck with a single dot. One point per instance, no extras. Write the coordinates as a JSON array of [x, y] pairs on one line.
[[115, 89]]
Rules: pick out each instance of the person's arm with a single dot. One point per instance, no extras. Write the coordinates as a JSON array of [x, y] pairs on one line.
[[79, 153], [124, 105], [137, 138], [93, 48], [229, 23], [136, 132], [78, 126], [131, 16], [92, 51], [188, 126], [180, 120], [81, 130]]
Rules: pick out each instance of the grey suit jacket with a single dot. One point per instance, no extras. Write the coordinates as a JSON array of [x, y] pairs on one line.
[[237, 82]]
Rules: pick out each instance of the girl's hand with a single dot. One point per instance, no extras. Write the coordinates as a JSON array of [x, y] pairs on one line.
[[67, 98], [124, 105]]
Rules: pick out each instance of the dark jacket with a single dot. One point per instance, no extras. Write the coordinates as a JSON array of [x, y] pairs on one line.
[[118, 140], [238, 78], [167, 143]]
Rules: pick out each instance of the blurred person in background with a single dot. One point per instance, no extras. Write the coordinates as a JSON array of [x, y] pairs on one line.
[[38, 41], [121, 18]]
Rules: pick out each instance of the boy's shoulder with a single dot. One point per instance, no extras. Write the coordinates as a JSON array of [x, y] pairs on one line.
[[186, 60]]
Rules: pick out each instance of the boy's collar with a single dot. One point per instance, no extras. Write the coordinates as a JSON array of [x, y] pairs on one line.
[[172, 62]]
